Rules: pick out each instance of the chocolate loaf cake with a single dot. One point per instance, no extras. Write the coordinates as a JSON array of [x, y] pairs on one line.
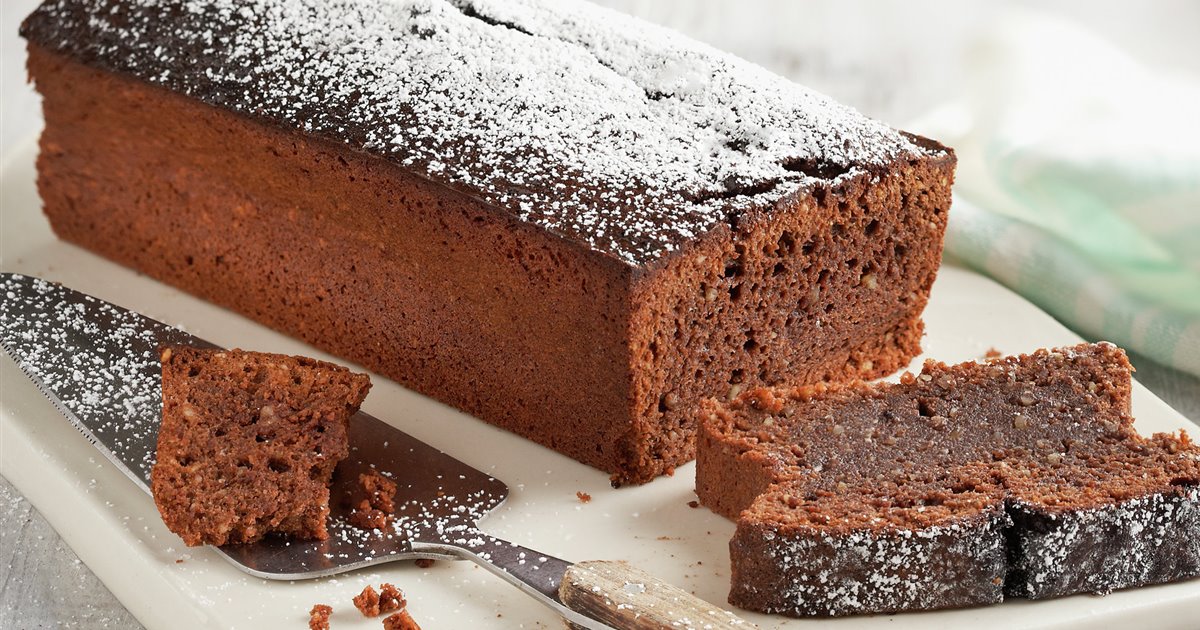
[[249, 442], [565, 221], [963, 485]]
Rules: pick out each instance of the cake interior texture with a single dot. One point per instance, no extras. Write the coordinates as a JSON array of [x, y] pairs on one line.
[[576, 229], [960, 486], [249, 442]]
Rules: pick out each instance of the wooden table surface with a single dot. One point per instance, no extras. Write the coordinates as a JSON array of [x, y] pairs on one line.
[[884, 59]]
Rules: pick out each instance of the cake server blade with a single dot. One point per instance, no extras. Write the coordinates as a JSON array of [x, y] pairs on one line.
[[98, 364]]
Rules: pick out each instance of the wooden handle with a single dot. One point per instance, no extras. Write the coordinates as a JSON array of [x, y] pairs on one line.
[[624, 596]]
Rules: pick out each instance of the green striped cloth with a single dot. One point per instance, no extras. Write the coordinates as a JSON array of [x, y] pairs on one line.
[[1079, 186]]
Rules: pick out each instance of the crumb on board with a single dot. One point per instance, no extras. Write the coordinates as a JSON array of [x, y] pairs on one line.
[[390, 598], [318, 617], [992, 353], [400, 621], [367, 602], [583, 496], [693, 504]]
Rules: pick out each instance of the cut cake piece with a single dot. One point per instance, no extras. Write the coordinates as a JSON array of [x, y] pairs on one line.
[[249, 442], [594, 221], [962, 485]]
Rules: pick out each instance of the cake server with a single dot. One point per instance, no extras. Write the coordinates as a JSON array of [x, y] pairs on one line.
[[98, 364]]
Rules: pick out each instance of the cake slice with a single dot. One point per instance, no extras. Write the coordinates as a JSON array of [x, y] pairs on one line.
[[249, 442], [959, 486]]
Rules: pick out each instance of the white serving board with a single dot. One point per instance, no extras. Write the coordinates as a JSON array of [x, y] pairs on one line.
[[115, 529]]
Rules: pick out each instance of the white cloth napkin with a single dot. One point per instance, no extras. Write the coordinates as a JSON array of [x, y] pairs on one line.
[[1079, 184]]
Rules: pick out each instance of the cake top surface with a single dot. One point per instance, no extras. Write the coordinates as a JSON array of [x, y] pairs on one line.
[[588, 123]]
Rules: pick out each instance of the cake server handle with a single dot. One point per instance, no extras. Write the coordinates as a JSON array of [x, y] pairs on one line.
[[595, 594], [624, 596]]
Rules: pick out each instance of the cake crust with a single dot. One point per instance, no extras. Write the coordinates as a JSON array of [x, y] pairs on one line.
[[1017, 477]]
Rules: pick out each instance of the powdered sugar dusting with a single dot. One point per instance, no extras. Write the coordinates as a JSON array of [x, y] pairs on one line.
[[97, 362], [596, 126], [1021, 550], [879, 571], [1108, 548]]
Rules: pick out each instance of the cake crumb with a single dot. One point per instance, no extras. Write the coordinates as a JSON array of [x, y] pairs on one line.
[[318, 617], [390, 598], [992, 353], [400, 621], [693, 504], [367, 602], [367, 518], [375, 501], [381, 491], [583, 496], [424, 563]]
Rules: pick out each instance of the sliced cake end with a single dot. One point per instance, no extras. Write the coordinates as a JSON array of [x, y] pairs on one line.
[[249, 442]]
